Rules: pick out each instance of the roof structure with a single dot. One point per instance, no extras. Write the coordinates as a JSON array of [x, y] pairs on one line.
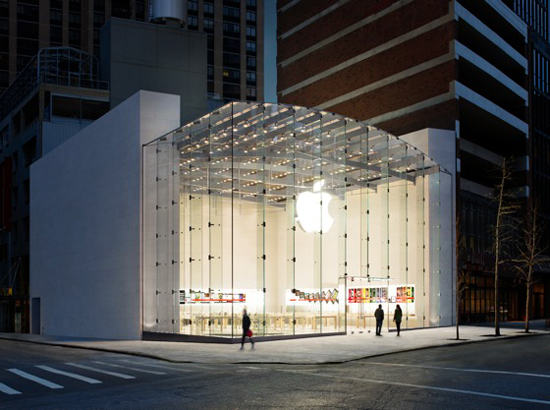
[[270, 149]]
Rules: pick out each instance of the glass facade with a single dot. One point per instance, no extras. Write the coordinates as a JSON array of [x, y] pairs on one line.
[[306, 218]]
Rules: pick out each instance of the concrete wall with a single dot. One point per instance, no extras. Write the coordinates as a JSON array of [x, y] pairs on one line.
[[440, 145], [85, 229], [141, 56]]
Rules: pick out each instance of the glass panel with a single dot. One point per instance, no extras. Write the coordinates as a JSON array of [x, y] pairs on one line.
[[307, 219]]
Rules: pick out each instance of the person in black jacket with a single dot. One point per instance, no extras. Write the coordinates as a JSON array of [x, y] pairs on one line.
[[246, 329], [379, 315]]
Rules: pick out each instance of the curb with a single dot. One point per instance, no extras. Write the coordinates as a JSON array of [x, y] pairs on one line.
[[335, 362]]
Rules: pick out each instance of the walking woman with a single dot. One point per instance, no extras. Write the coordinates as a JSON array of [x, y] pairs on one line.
[[397, 316], [246, 329]]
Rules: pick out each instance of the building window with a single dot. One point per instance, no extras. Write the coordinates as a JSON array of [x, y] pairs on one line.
[[99, 19], [250, 93], [192, 6], [231, 91], [192, 22], [4, 61], [250, 32], [250, 17], [27, 30], [209, 25], [229, 13], [251, 47], [27, 13], [233, 3], [231, 44], [74, 20], [27, 47], [251, 77], [74, 5], [231, 60], [74, 37], [4, 9], [208, 9], [231, 29], [231, 75], [210, 72], [251, 62], [99, 5], [56, 36], [251, 4], [56, 17], [121, 8]]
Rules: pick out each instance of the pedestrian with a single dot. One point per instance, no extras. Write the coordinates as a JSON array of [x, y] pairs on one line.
[[397, 316], [379, 315], [246, 329]]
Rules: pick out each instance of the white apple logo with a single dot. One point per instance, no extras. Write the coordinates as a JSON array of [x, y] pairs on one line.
[[312, 209]]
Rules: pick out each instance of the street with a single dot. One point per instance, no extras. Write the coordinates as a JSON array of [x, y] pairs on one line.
[[504, 374]]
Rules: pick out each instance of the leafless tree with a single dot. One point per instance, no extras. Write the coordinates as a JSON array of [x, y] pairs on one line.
[[461, 272], [530, 253], [507, 206]]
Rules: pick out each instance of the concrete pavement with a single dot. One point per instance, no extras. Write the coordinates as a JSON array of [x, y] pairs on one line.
[[316, 350]]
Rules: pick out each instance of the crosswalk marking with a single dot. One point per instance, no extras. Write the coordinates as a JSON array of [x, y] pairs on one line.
[[130, 368], [159, 366], [95, 369], [8, 389], [35, 379], [68, 374]]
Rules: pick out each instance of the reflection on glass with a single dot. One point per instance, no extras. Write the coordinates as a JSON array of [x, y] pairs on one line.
[[307, 219]]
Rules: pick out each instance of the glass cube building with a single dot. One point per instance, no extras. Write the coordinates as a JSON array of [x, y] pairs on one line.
[[307, 219]]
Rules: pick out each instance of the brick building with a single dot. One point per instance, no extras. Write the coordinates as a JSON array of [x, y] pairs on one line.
[[478, 68]]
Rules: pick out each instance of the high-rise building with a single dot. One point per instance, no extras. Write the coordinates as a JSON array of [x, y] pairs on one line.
[[475, 67], [51, 87], [234, 27]]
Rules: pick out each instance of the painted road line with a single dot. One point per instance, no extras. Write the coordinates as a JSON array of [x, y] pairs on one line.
[[457, 369], [419, 386], [94, 369], [253, 368], [130, 368], [35, 379], [68, 374], [8, 389], [158, 366]]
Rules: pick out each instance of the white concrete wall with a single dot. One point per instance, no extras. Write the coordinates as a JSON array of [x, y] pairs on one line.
[[440, 145], [85, 222]]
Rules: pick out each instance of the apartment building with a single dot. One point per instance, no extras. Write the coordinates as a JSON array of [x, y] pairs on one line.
[[478, 68]]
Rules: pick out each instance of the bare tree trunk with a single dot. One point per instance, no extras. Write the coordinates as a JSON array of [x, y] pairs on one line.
[[497, 309], [498, 236], [527, 308]]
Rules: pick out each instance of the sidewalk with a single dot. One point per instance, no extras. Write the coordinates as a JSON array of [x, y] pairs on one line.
[[317, 350]]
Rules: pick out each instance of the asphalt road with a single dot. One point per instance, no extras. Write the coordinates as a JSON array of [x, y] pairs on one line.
[[504, 374]]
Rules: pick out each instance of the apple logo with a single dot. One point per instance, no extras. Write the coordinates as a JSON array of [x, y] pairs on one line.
[[312, 209]]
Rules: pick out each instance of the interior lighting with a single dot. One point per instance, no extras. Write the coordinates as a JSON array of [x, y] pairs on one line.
[[312, 209]]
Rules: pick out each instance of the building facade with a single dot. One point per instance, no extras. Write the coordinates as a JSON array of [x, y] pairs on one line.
[[57, 94], [306, 218], [234, 27], [475, 68]]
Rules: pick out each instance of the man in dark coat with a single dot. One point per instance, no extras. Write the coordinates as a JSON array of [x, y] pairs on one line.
[[379, 315], [246, 329]]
